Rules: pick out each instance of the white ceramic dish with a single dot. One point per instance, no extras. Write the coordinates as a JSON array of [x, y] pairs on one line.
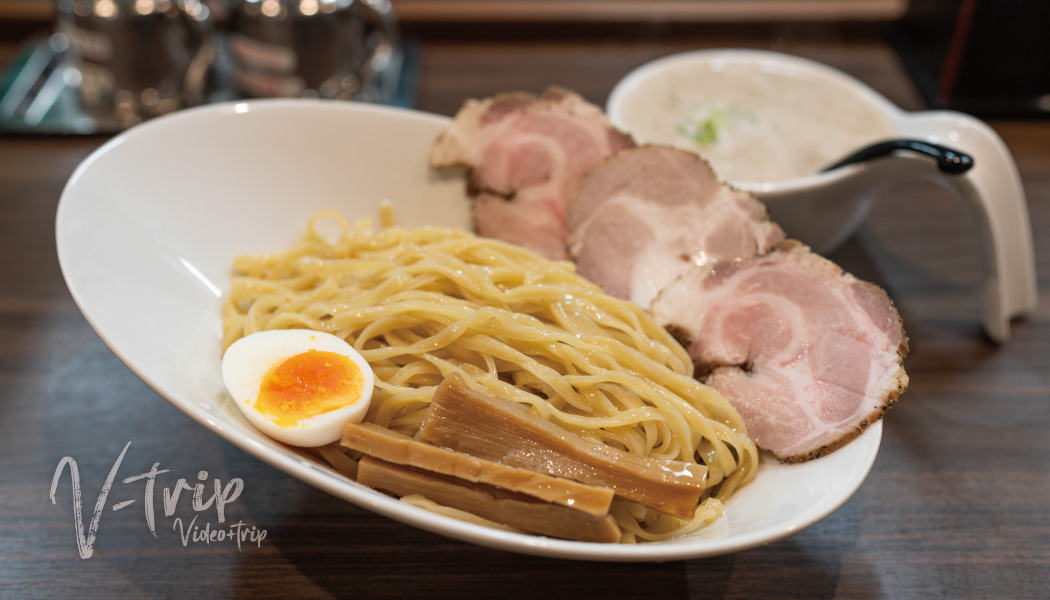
[[823, 209], [147, 228]]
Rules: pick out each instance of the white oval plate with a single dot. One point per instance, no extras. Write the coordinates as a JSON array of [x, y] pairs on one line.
[[148, 226]]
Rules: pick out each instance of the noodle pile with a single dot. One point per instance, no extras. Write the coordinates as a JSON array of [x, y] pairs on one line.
[[422, 304]]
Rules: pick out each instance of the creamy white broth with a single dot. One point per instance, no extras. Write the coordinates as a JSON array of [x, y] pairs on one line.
[[751, 124]]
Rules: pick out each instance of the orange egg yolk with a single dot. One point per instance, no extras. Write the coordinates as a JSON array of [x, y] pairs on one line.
[[309, 384]]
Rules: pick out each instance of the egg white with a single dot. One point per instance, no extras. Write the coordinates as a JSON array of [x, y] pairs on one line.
[[247, 361]]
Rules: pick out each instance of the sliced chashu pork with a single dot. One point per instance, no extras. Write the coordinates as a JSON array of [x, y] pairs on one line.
[[807, 354], [526, 154], [644, 216]]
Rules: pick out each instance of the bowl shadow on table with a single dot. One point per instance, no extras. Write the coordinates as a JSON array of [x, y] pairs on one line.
[[341, 550], [372, 556]]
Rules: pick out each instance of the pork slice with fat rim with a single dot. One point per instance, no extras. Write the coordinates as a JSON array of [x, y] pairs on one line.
[[526, 154], [807, 354], [644, 216]]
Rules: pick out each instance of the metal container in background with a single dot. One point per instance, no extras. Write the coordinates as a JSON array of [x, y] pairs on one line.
[[337, 49], [136, 59]]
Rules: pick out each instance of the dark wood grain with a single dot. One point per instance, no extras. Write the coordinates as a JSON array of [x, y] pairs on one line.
[[957, 505]]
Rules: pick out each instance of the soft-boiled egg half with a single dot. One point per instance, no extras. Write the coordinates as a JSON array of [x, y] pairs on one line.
[[298, 386]]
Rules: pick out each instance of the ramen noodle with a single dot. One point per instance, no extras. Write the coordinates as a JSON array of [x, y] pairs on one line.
[[422, 304]]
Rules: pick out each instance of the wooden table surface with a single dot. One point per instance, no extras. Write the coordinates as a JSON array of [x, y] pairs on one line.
[[956, 506]]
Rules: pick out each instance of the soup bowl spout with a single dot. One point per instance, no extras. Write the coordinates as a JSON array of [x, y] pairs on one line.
[[823, 208]]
